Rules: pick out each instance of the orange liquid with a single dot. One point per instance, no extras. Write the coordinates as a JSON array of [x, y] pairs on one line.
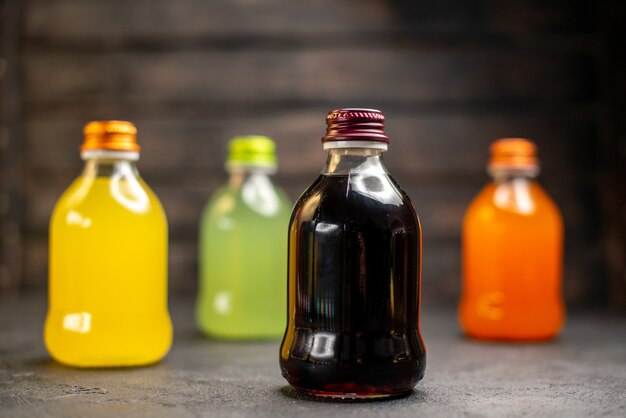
[[512, 261]]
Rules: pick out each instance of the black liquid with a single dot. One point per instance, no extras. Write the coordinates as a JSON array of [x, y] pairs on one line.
[[354, 289]]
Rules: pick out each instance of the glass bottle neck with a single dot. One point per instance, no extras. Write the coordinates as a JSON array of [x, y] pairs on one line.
[[354, 160], [242, 174], [501, 176], [109, 167], [513, 190]]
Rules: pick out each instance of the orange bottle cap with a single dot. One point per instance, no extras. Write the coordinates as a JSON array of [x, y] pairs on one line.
[[514, 153], [112, 135]]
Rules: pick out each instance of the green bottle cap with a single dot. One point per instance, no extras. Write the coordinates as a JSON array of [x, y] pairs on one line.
[[252, 150]]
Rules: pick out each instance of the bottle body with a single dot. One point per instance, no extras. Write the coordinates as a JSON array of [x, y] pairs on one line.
[[512, 261], [243, 262], [354, 283], [108, 271]]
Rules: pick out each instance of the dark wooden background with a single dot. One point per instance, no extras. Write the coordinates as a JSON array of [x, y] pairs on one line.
[[450, 76]]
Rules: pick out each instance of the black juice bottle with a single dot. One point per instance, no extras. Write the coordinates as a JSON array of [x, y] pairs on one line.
[[354, 272]]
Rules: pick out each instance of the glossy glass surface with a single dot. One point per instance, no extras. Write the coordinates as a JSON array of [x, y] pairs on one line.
[[354, 284], [512, 260], [243, 259], [108, 271]]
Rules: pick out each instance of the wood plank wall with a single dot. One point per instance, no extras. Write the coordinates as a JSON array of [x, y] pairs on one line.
[[449, 75], [11, 157]]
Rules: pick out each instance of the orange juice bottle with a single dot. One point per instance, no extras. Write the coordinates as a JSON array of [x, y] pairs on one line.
[[108, 260], [512, 252]]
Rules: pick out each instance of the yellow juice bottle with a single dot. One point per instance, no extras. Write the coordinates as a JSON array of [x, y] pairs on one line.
[[108, 260]]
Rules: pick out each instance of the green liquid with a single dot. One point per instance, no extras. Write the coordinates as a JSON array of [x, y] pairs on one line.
[[243, 260]]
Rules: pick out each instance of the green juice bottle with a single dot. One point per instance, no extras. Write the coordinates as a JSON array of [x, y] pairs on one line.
[[243, 248]]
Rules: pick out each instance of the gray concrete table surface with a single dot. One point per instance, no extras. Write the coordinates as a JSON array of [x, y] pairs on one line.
[[582, 373]]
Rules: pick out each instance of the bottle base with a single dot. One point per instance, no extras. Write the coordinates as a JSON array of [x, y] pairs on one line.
[[539, 338], [241, 336], [116, 342], [103, 365], [515, 328], [353, 381], [353, 396], [106, 362]]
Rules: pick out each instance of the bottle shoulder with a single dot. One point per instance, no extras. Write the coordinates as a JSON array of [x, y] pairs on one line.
[[248, 200], [109, 197], [523, 200], [355, 199], [379, 187]]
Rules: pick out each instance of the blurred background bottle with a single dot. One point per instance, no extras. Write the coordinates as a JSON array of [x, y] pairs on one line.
[[512, 252], [243, 247], [108, 260]]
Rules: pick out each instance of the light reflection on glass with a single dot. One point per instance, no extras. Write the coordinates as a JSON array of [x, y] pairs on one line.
[[77, 322], [259, 195], [322, 287], [392, 295], [128, 192], [225, 223], [323, 345], [222, 303], [75, 218], [490, 305], [325, 308], [521, 189], [309, 207], [225, 204], [514, 196], [374, 188]]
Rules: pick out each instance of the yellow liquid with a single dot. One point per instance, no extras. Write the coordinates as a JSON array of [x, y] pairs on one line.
[[108, 275]]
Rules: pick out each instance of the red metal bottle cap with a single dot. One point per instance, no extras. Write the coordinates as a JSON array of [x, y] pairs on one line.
[[353, 124]]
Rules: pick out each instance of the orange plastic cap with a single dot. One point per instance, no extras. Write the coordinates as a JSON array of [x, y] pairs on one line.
[[513, 152], [112, 135]]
